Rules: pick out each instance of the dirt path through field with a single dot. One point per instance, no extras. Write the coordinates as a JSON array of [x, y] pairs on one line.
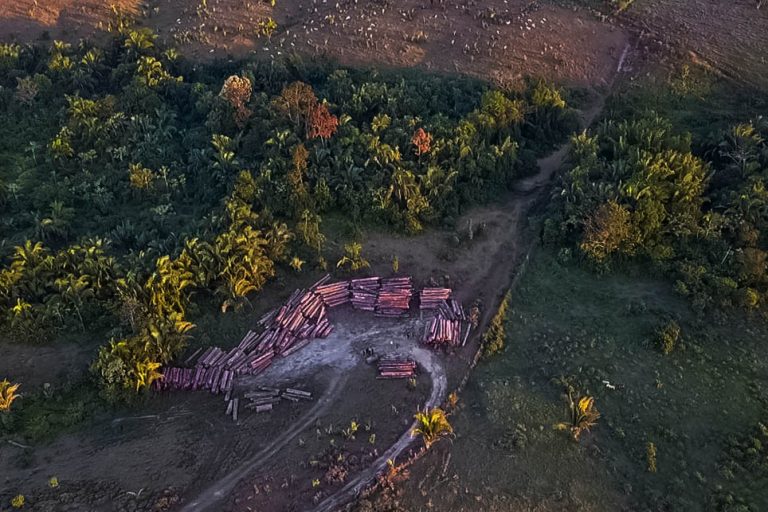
[[208, 499], [439, 386], [520, 202]]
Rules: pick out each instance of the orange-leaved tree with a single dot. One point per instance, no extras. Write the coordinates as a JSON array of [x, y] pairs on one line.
[[422, 141], [237, 92], [321, 123]]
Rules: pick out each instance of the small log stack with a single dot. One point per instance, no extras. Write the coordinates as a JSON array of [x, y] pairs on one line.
[[264, 399], [396, 368], [450, 325], [215, 379], [296, 394], [334, 294], [431, 298]]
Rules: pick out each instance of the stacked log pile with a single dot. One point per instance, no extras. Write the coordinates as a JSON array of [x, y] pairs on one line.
[[364, 293], [396, 368], [303, 317], [449, 325], [286, 330], [394, 297], [215, 379], [431, 298], [334, 294]]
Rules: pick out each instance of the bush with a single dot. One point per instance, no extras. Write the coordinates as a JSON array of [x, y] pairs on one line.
[[667, 337], [496, 334]]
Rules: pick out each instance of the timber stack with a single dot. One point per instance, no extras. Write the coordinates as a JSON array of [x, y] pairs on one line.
[[334, 294], [286, 330], [396, 368], [364, 293], [292, 326], [217, 380], [449, 326], [264, 398], [394, 297], [431, 298]]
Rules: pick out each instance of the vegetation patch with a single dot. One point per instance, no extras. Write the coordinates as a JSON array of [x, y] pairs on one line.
[[138, 189]]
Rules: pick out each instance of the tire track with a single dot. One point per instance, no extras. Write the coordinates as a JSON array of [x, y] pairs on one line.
[[219, 490], [354, 486]]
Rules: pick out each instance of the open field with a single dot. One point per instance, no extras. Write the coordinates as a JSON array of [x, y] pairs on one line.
[[501, 41]]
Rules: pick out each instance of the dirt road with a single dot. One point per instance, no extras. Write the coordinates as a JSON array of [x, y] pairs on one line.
[[208, 499]]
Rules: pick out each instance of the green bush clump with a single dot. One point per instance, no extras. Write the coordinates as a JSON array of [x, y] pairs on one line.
[[639, 190], [496, 335], [667, 337]]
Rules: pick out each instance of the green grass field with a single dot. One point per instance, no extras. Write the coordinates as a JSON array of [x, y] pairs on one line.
[[701, 405]]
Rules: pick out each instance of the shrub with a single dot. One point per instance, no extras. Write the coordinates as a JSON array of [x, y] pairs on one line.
[[496, 334], [583, 416], [432, 425], [650, 456], [667, 337], [353, 258], [7, 395]]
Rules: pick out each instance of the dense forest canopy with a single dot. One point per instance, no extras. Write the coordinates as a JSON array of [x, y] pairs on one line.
[[638, 190], [132, 180]]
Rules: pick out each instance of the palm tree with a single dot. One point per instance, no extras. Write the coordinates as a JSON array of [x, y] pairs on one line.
[[165, 338], [140, 40], [75, 290], [402, 187], [7, 395], [432, 425], [438, 185], [28, 256], [583, 415], [353, 258], [57, 224]]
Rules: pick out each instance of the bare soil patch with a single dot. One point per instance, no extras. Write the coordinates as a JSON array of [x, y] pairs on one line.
[[727, 36], [501, 40], [37, 365]]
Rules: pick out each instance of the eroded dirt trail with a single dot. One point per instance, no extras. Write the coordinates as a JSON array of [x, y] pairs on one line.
[[524, 195]]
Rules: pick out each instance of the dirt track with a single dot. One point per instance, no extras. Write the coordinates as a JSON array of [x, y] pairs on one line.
[[220, 489]]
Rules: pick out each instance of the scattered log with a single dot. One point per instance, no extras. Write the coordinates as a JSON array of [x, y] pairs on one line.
[[298, 392]]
